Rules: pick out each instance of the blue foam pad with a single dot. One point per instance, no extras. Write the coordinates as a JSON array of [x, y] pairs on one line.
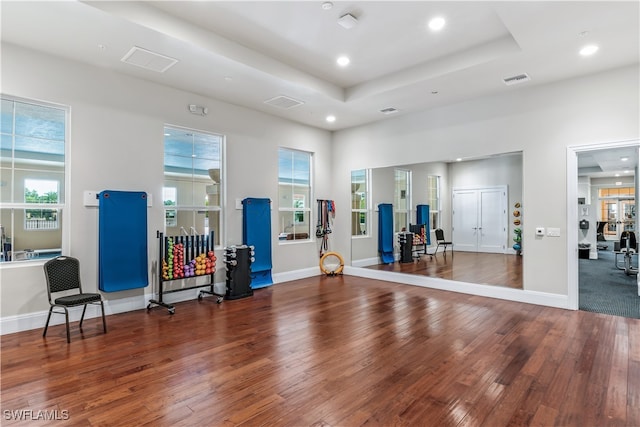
[[122, 240], [256, 232], [385, 232]]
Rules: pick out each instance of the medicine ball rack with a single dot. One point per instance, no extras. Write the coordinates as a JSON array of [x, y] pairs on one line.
[[194, 247]]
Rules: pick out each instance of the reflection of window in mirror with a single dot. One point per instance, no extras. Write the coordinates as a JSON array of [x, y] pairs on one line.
[[294, 189], [359, 202], [402, 199], [192, 188], [170, 198], [433, 200]]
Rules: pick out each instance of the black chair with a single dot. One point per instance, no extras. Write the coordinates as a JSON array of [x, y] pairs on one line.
[[63, 274], [440, 240]]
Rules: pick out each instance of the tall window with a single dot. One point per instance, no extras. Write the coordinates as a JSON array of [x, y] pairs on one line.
[[402, 199], [32, 169], [294, 194], [192, 193], [433, 200], [359, 202]]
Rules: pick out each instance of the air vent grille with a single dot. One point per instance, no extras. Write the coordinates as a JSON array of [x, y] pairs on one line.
[[520, 78], [149, 60], [283, 102]]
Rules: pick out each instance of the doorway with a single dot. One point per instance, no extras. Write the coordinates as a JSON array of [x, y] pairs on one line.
[[479, 218], [605, 180]]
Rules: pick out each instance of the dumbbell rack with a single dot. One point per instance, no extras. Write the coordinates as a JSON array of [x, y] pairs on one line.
[[194, 246], [238, 261]]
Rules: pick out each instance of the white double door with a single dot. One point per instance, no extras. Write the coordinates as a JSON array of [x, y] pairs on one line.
[[480, 220]]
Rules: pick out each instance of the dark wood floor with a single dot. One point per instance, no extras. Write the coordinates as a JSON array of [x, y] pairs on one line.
[[333, 351], [474, 267]]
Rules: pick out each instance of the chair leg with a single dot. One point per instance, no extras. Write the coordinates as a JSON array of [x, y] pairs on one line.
[[66, 317], [46, 326], [82, 317], [104, 322]]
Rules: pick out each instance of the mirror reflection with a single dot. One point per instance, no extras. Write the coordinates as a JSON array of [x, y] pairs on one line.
[[458, 220]]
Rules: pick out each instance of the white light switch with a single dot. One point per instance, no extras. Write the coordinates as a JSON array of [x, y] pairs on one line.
[[553, 232]]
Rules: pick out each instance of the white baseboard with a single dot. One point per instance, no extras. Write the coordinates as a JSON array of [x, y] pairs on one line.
[[288, 276], [366, 262], [518, 295], [37, 320]]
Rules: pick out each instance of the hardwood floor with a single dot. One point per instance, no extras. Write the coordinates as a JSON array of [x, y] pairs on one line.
[[332, 351], [474, 267]]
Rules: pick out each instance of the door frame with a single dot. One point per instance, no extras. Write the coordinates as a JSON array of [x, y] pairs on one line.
[[572, 212]]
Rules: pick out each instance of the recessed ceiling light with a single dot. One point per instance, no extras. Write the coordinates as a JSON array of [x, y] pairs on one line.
[[167, 134], [343, 61], [588, 50], [436, 24], [331, 119], [624, 159], [627, 171], [617, 174], [458, 159]]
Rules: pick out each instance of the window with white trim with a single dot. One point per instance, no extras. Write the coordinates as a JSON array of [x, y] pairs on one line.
[[360, 202], [294, 194], [192, 192], [433, 200], [402, 199], [32, 171]]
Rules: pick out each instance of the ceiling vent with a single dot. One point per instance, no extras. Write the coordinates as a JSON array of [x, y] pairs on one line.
[[149, 60], [283, 102], [347, 21], [389, 110], [520, 78]]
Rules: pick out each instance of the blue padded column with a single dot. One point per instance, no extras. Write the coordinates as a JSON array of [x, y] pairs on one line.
[[256, 232], [423, 217], [385, 232], [122, 240]]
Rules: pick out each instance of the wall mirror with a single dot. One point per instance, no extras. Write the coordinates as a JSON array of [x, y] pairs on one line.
[[477, 203]]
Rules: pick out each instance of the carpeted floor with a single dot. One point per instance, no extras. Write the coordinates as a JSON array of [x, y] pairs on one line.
[[605, 289]]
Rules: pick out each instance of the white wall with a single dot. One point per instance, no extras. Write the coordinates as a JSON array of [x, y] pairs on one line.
[[541, 121], [117, 143]]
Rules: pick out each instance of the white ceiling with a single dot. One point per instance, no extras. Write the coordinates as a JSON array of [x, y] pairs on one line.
[[248, 52]]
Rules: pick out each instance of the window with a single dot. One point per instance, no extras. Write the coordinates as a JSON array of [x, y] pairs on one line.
[[433, 200], [32, 170], [294, 194], [402, 199], [359, 202], [40, 191], [192, 192]]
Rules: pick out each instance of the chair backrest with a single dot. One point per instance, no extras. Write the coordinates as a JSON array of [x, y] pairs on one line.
[[63, 274], [629, 236], [416, 228], [439, 234]]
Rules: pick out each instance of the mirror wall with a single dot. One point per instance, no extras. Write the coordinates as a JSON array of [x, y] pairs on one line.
[[455, 192]]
